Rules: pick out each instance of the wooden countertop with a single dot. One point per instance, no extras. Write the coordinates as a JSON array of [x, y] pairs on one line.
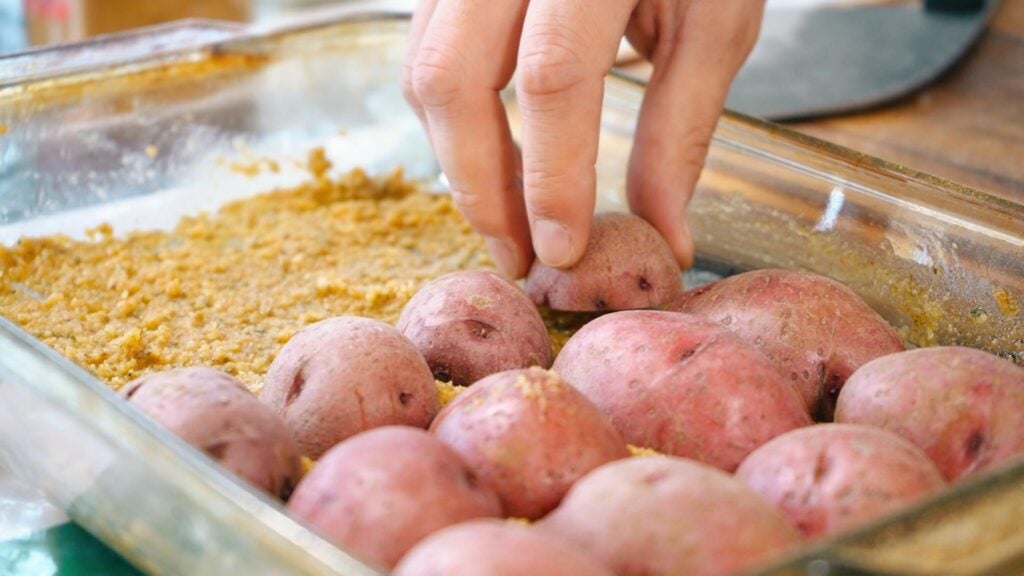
[[967, 127]]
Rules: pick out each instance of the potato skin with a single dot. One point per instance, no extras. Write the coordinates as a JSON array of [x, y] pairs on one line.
[[831, 477], [344, 375], [471, 324], [668, 516], [380, 492], [681, 385], [496, 548], [963, 407], [816, 329], [529, 435], [626, 265], [218, 415]]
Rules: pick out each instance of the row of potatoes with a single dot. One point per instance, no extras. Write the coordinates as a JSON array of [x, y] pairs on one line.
[[722, 384]]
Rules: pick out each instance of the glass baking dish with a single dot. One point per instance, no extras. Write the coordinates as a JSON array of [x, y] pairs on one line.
[[139, 138]]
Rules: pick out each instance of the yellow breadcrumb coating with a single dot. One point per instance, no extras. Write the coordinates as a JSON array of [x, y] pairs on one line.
[[307, 464], [637, 451], [446, 392], [227, 290]]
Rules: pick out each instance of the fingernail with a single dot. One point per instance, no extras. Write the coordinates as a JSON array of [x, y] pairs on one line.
[[552, 242], [504, 254]]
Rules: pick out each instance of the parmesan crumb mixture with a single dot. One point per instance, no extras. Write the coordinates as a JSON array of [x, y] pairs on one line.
[[446, 392], [640, 452], [227, 290]]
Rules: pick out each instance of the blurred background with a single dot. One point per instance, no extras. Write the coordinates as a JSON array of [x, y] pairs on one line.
[[25, 23], [934, 84]]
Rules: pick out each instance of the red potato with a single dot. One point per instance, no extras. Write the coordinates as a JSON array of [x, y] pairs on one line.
[[496, 548], [529, 435], [218, 415], [963, 407], [379, 493], [471, 324], [831, 477], [626, 265], [681, 385], [817, 330], [345, 375], [669, 516]]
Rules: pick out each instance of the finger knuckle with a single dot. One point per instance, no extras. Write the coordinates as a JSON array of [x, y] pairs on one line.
[[692, 158], [690, 136], [408, 89], [738, 28], [475, 209], [550, 65], [547, 192], [687, 165], [436, 79], [745, 34]]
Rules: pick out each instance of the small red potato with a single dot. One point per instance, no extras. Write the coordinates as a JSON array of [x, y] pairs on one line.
[[345, 375], [817, 330], [218, 415], [471, 324], [626, 265], [529, 435], [496, 548], [681, 385], [963, 407], [831, 477], [380, 492], [668, 516]]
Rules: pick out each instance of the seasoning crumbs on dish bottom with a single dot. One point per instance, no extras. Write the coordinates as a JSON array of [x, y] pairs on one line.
[[227, 290]]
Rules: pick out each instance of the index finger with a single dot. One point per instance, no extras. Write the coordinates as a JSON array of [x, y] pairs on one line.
[[567, 48], [466, 56]]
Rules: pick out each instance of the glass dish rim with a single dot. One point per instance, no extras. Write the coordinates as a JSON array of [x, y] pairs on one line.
[[760, 128]]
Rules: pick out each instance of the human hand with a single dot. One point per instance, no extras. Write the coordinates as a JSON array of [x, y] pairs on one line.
[[463, 52]]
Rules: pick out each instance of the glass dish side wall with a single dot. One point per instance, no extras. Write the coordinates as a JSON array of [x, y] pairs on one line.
[[942, 262], [171, 512], [142, 144]]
